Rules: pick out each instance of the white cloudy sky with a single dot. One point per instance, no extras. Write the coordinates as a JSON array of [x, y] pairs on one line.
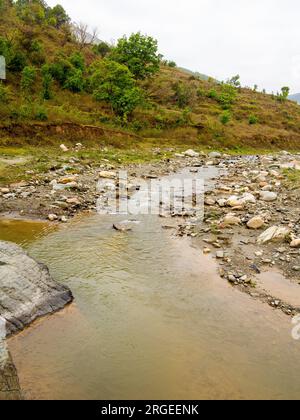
[[258, 39]]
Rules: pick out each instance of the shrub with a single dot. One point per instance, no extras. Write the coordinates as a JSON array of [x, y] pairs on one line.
[[225, 117], [184, 94], [41, 113], [227, 96], [77, 60], [212, 94], [47, 81], [28, 79], [253, 120], [75, 81]]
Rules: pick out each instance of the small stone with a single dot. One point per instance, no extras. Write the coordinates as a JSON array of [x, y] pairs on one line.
[[4, 190], [295, 243], [206, 251], [268, 196], [220, 255], [64, 148], [231, 220], [52, 217], [274, 233], [256, 223], [107, 174], [191, 153]]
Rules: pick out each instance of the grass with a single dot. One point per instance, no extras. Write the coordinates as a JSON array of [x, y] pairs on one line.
[[292, 177]]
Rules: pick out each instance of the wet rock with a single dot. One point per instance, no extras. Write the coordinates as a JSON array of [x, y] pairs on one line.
[[274, 233], [125, 226], [27, 290], [256, 223]]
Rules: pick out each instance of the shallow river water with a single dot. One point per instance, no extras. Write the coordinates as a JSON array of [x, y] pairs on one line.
[[151, 320]]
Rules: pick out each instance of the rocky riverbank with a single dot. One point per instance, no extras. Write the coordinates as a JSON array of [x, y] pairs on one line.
[[27, 292], [251, 219]]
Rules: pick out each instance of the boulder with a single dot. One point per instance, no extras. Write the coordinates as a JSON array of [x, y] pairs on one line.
[[274, 233], [27, 291]]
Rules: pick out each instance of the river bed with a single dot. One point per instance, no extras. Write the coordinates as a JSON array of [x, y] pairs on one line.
[[152, 319]]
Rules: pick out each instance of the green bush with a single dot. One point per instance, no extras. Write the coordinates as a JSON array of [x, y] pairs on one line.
[[77, 60], [227, 96], [225, 117], [75, 81], [184, 94], [253, 120], [212, 94], [102, 49], [47, 81], [28, 79]]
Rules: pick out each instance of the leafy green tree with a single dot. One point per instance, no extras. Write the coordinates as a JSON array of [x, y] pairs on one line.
[[28, 79], [102, 49], [285, 91], [113, 83], [139, 53], [58, 16]]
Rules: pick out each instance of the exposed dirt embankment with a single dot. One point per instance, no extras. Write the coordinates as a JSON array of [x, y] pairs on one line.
[[36, 133]]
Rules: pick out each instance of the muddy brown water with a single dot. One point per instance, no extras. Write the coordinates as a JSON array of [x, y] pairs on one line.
[[151, 320]]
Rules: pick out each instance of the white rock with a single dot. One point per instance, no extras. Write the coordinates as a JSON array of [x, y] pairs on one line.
[[52, 217], [64, 148], [268, 196], [215, 155], [4, 190], [274, 233], [191, 153], [231, 220], [107, 174]]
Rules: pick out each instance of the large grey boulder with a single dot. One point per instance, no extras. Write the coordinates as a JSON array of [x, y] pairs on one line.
[[27, 291]]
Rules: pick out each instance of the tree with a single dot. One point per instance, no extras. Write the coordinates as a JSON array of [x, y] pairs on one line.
[[102, 49], [139, 53], [59, 16], [113, 82], [75, 81], [285, 91], [47, 80], [235, 81]]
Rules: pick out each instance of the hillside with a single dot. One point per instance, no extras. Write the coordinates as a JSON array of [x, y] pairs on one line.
[[48, 95]]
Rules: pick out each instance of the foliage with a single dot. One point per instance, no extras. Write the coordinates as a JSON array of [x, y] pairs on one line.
[[57, 16], [113, 82], [28, 79], [235, 81], [75, 81], [285, 91], [47, 81], [227, 96], [139, 53], [77, 60], [102, 49], [3, 93], [225, 117], [183, 94], [253, 120]]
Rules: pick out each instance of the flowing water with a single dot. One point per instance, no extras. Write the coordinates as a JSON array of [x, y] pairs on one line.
[[151, 320]]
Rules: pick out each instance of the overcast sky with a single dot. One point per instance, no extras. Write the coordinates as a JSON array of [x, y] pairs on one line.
[[258, 39]]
